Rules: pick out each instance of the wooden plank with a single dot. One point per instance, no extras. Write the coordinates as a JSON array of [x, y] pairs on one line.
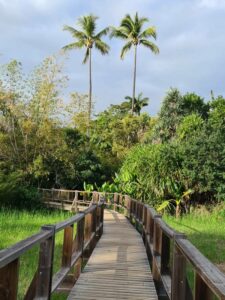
[[9, 281], [44, 276], [118, 267]]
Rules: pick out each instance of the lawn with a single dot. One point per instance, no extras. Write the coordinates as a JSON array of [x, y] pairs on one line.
[[205, 228], [15, 226]]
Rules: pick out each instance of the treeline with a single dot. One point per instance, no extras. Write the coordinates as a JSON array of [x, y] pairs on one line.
[[183, 160], [45, 142]]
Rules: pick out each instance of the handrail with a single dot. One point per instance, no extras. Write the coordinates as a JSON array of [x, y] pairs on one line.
[[169, 271], [75, 251]]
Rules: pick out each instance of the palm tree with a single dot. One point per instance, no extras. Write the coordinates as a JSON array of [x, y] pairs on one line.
[[131, 31], [139, 103], [86, 37]]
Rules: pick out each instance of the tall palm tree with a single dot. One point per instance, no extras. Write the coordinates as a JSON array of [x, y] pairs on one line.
[[87, 37], [131, 31], [139, 103]]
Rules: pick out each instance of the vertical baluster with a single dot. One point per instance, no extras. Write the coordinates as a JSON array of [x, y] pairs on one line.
[[67, 246], [165, 254], [157, 239], [79, 245], [45, 265], [144, 219], [178, 284], [202, 291], [115, 200], [9, 276]]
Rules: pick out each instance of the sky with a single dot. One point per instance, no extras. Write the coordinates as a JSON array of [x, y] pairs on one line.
[[191, 39]]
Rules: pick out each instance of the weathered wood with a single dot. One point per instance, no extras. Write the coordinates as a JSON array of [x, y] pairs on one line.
[[9, 276], [115, 201], [202, 291], [45, 265], [67, 246], [178, 285], [211, 275], [10, 254], [30, 293], [118, 268], [165, 254]]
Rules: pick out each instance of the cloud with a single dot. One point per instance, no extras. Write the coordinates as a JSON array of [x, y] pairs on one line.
[[190, 38]]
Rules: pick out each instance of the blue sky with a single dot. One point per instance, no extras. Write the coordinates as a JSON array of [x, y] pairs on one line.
[[191, 38]]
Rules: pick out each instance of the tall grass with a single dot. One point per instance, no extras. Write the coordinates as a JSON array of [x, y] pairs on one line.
[[205, 228], [18, 225]]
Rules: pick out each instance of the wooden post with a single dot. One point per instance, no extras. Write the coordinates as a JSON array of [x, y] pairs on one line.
[[157, 239], [115, 201], [202, 291], [94, 227], [147, 235], [102, 219], [75, 202], [144, 221], [121, 200], [87, 227], [165, 254], [9, 276], [79, 245], [46, 255], [67, 246], [178, 283], [127, 206]]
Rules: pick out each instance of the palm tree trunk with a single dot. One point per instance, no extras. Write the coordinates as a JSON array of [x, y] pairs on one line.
[[134, 80], [90, 92]]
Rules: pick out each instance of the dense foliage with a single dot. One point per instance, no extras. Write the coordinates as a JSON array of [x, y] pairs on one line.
[[185, 152], [44, 140]]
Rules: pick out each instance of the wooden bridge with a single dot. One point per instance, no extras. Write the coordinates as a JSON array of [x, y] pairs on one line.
[[136, 256]]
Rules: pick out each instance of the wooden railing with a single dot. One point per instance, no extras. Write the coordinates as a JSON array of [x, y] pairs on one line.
[[169, 254], [68, 199], [76, 248]]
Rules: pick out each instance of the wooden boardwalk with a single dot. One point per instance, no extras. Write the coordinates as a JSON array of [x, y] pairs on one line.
[[118, 268]]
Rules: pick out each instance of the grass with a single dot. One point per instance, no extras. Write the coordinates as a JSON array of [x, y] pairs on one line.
[[205, 228], [16, 226]]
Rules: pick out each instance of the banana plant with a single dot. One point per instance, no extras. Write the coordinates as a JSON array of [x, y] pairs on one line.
[[182, 200]]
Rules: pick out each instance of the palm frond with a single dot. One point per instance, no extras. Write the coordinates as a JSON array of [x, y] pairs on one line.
[[102, 46], [75, 33], [88, 24], [138, 23], [125, 48], [149, 32], [118, 33], [102, 33], [128, 98], [86, 56], [127, 24], [143, 20], [76, 45], [149, 45]]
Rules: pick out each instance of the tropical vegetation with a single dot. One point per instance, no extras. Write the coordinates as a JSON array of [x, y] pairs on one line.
[[172, 161], [131, 30], [88, 38]]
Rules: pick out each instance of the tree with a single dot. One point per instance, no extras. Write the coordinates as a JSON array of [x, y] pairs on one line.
[[87, 38], [174, 108], [139, 103], [131, 31]]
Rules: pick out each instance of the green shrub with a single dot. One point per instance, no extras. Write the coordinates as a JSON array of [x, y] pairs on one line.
[[15, 194]]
